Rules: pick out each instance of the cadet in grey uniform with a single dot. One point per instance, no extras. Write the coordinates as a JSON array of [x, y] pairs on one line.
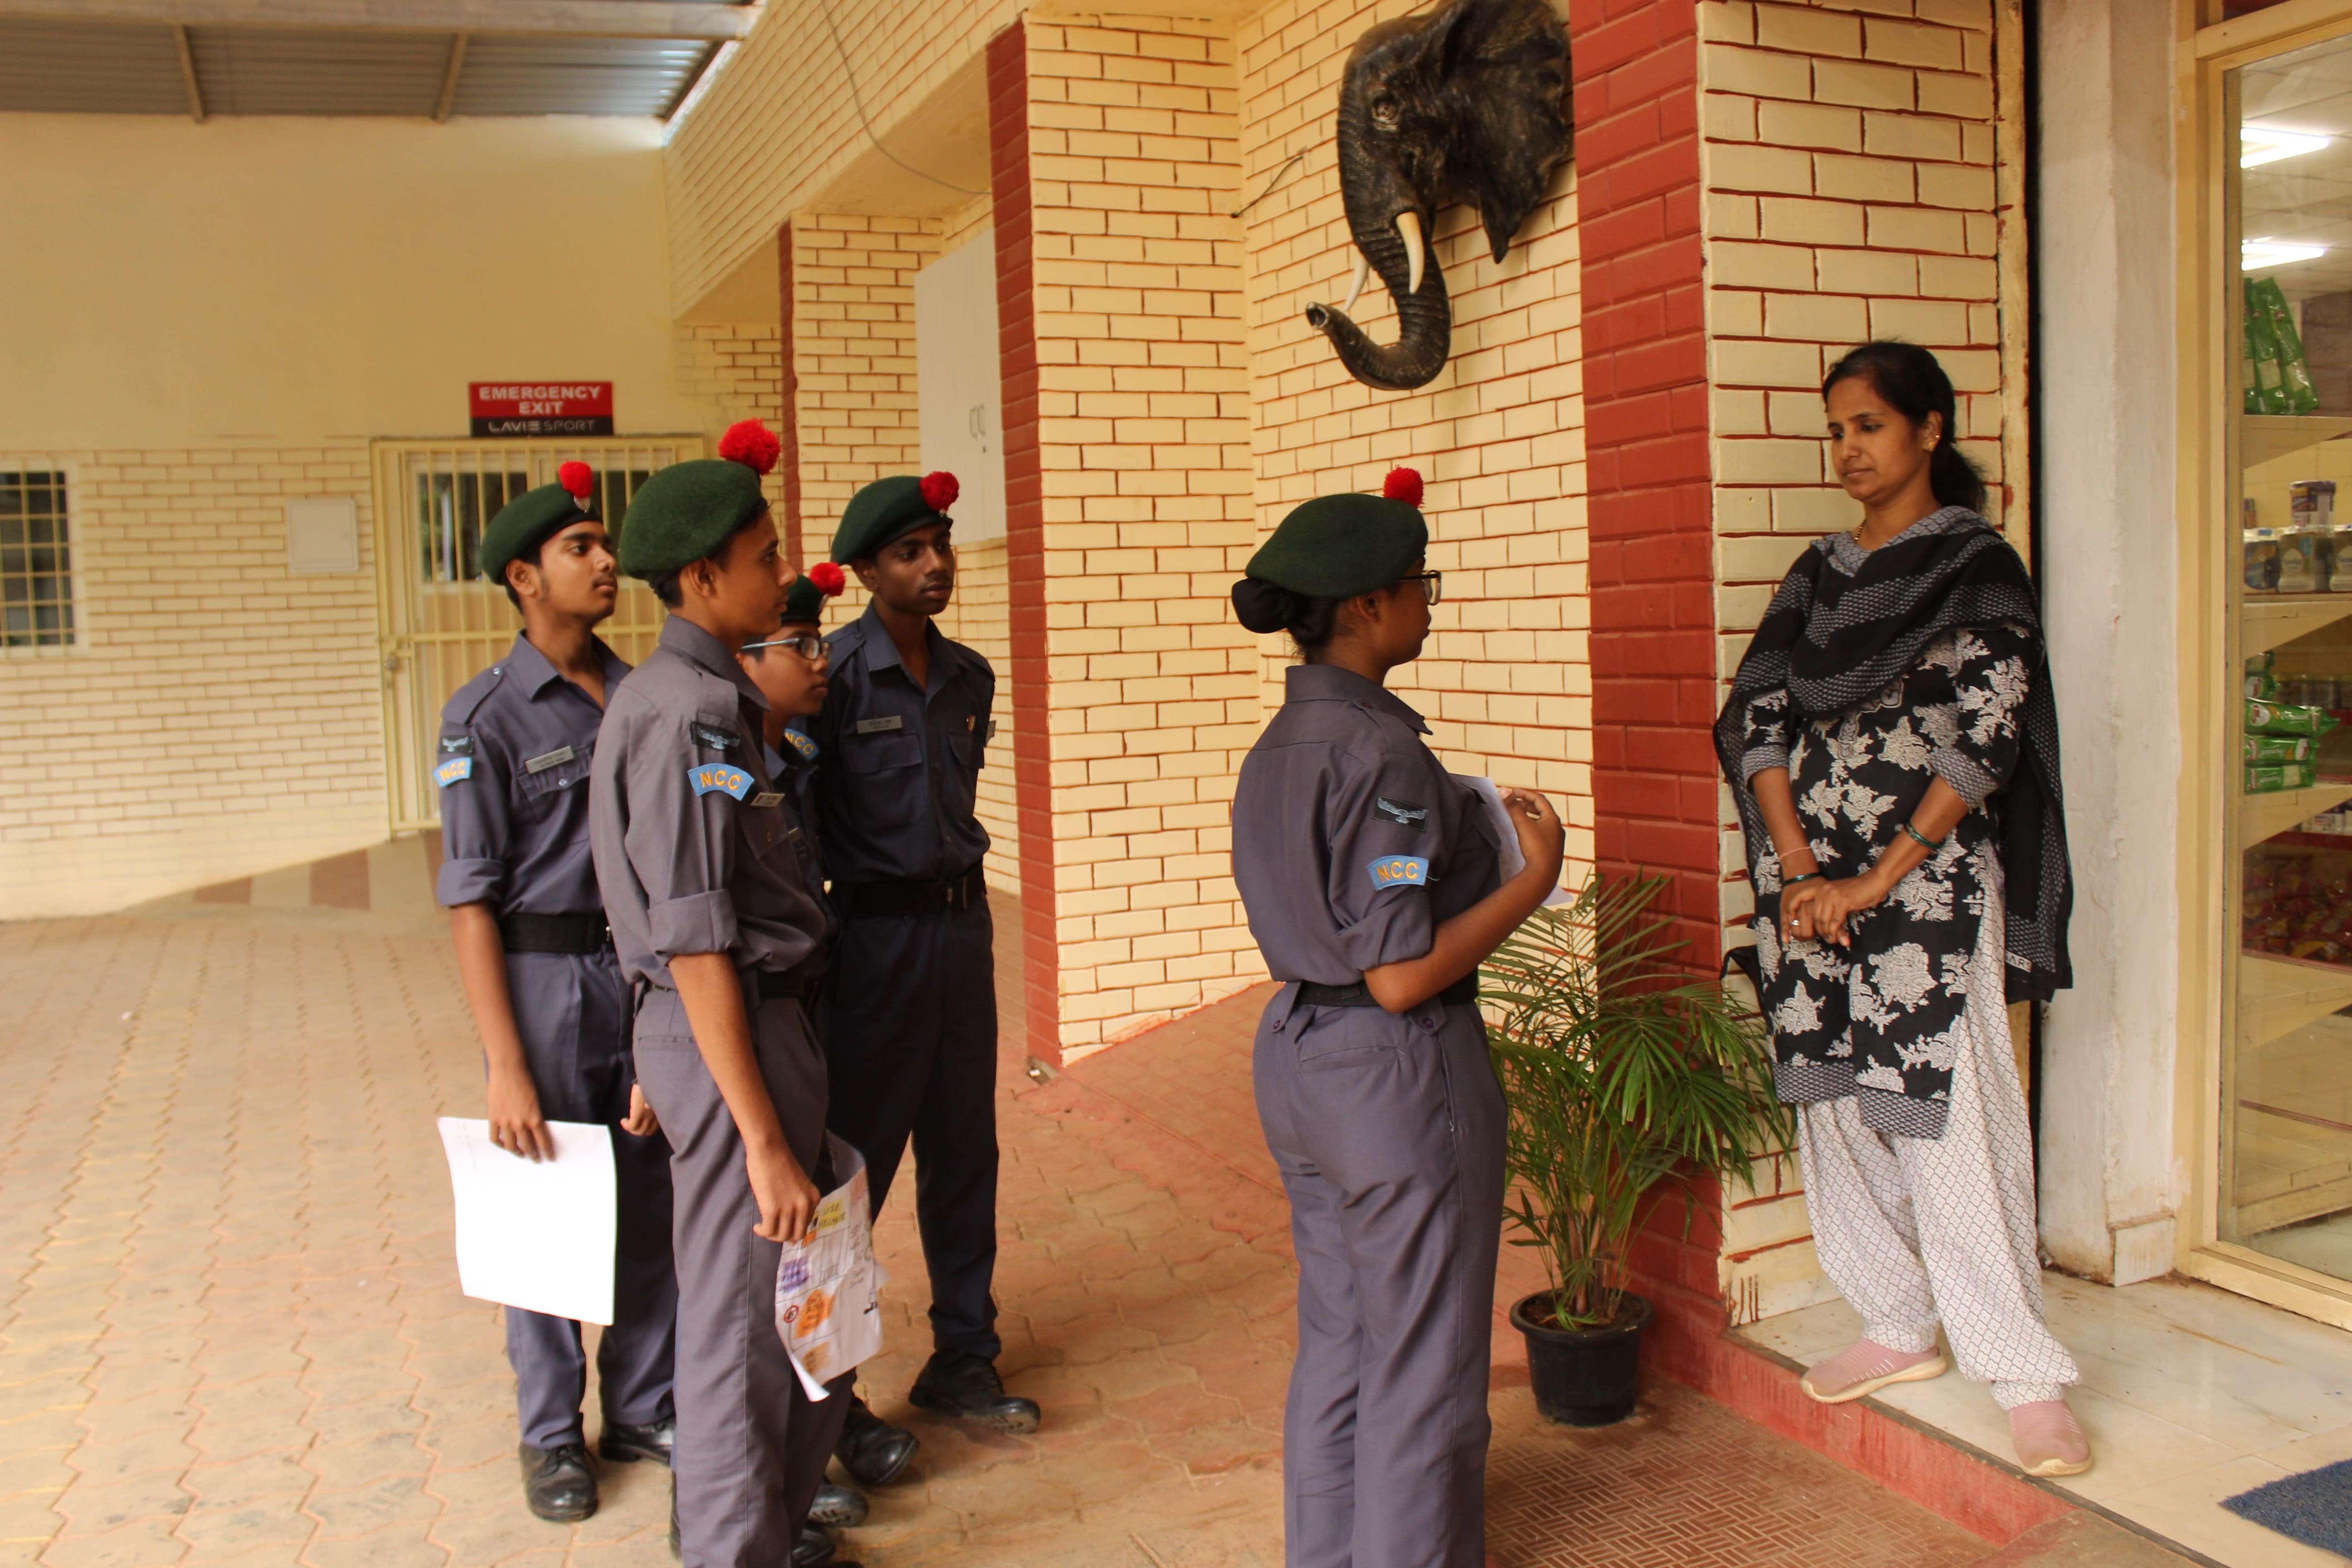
[[910, 1018], [539, 972], [1373, 883], [723, 937]]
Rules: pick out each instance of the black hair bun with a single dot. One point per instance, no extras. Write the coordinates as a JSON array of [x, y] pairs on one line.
[[1265, 607]]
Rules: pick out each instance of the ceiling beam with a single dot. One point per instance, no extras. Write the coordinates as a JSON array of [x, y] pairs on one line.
[[188, 75], [448, 99], [704, 19]]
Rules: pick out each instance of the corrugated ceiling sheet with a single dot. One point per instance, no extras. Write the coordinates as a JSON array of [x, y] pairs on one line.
[[258, 70], [79, 67], [574, 75]]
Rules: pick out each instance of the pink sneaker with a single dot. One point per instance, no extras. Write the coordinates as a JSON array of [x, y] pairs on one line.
[[2049, 1441], [1863, 1368]]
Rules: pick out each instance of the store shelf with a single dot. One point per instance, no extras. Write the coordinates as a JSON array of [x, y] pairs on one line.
[[2265, 437], [2278, 996], [2267, 620], [2261, 817]]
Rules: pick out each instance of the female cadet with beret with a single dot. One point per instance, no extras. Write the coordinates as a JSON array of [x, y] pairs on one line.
[[1373, 885]]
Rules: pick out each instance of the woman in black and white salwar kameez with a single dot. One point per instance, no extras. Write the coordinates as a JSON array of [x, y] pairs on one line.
[[1893, 745]]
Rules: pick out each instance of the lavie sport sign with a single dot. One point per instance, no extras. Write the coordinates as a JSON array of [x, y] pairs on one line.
[[541, 407]]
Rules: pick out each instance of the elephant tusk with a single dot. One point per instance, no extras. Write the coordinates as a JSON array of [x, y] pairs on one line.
[[1356, 289], [1416, 255]]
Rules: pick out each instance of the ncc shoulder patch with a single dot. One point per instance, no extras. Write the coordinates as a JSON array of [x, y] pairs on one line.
[[721, 741], [1403, 813], [450, 772], [803, 746], [1400, 871], [724, 777]]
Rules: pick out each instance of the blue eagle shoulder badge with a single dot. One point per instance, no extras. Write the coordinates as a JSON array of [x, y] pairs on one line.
[[801, 743], [725, 777], [450, 772], [1400, 871]]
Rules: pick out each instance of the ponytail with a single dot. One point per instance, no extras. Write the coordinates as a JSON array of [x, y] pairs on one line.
[[1262, 606], [1914, 387]]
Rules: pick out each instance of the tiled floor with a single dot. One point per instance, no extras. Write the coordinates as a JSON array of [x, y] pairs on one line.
[[2190, 1395], [230, 1330]]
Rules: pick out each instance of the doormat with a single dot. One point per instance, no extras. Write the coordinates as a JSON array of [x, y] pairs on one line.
[[2314, 1508]]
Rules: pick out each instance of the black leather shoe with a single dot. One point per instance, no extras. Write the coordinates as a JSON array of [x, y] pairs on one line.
[[559, 1483], [625, 1445], [814, 1550], [957, 1382], [838, 1506], [873, 1451]]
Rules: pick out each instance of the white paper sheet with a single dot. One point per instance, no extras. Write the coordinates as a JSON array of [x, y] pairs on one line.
[[1500, 814], [535, 1233], [828, 1313]]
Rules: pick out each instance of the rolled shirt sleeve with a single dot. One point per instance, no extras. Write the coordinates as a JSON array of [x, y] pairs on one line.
[[1386, 834], [681, 844], [472, 783], [1764, 723], [1995, 665]]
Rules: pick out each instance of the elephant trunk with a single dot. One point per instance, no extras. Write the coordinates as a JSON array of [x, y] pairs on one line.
[[1424, 315]]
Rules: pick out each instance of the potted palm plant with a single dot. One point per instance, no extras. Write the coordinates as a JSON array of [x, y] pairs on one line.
[[1620, 1071]]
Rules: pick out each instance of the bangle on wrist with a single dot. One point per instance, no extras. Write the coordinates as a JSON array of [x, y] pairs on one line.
[[1800, 877], [1921, 839]]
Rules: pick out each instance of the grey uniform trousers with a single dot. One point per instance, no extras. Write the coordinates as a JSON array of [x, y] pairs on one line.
[[572, 1013], [1388, 1130], [752, 1447]]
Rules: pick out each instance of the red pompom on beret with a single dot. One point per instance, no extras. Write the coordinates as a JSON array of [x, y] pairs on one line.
[[828, 578], [940, 489], [751, 443], [577, 478], [1404, 485]]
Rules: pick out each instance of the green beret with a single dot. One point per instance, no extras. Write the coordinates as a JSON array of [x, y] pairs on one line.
[[1336, 547], [685, 512], [889, 508], [532, 518], [805, 601]]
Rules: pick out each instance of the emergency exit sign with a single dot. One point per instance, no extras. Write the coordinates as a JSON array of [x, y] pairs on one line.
[[541, 407]]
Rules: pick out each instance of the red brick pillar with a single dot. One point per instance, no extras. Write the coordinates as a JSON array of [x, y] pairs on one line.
[[1651, 516], [1025, 529]]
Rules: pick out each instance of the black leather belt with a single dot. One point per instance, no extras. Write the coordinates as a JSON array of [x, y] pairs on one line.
[[1461, 993], [798, 985], [554, 934], [853, 900]]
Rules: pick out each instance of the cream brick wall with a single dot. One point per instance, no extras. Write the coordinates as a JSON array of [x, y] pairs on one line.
[[215, 703], [732, 371], [1144, 437], [780, 123], [1851, 152], [1506, 681]]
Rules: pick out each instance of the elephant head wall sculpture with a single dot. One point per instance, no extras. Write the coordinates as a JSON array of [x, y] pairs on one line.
[[1464, 105]]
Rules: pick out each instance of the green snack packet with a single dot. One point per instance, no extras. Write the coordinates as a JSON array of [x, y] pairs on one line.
[[2265, 388], [2287, 719], [2279, 748], [2270, 778], [2261, 679], [2294, 370]]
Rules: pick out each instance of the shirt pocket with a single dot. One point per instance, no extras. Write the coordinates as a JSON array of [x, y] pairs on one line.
[[545, 791], [884, 753]]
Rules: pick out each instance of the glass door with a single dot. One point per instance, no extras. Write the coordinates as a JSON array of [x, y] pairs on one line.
[[2286, 1122]]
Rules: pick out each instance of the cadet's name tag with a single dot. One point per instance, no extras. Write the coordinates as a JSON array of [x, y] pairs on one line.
[[801, 744], [718, 740], [1400, 871], [453, 770], [1403, 813], [880, 726], [546, 760], [767, 797], [726, 778]]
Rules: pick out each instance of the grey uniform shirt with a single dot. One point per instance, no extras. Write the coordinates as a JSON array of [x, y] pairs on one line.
[[694, 837], [512, 772], [898, 766], [1351, 843]]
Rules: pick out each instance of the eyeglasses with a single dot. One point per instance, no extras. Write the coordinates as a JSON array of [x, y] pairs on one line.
[[808, 644], [1432, 584]]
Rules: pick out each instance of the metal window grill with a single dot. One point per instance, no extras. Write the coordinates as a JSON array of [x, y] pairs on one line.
[[441, 623], [36, 559]]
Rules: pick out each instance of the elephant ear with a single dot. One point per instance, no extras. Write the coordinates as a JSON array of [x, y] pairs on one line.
[[1504, 64]]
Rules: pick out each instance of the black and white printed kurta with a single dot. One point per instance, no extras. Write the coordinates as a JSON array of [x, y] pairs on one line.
[[1884, 1019]]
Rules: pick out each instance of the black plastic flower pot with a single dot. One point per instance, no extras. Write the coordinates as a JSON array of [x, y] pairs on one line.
[[1583, 1377]]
